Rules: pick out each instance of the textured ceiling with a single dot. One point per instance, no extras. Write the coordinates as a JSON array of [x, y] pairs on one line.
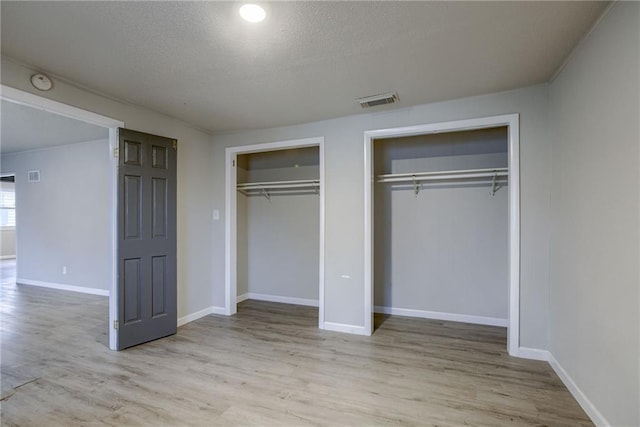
[[199, 62], [24, 128]]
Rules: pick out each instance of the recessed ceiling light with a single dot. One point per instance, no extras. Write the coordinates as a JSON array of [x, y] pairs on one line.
[[252, 13]]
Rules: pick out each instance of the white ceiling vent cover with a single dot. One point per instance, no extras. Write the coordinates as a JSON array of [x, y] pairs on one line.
[[33, 176], [375, 100]]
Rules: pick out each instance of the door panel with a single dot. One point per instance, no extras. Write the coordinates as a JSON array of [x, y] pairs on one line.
[[132, 153], [159, 157], [147, 306], [159, 284], [133, 207], [159, 205], [131, 290]]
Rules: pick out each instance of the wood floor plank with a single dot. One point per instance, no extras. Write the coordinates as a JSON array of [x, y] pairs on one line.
[[268, 365]]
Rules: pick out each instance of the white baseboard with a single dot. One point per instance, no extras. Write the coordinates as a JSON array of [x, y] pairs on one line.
[[544, 355], [453, 317], [593, 413], [341, 327], [8, 257], [198, 314], [285, 300], [242, 297], [218, 310], [63, 287], [532, 353]]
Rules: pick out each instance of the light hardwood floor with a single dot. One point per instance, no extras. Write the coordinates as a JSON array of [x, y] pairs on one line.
[[268, 365]]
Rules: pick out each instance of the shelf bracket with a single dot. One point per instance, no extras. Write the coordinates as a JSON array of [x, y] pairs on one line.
[[494, 186], [265, 193], [416, 186]]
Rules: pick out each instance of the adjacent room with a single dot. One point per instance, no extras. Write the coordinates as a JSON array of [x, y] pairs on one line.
[[320, 213], [60, 169]]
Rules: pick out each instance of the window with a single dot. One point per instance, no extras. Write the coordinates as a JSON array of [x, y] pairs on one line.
[[7, 206]]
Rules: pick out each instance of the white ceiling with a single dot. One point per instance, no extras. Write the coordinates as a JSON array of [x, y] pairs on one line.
[[24, 128], [199, 62]]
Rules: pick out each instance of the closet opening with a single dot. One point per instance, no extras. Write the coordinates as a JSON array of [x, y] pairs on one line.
[[275, 224], [442, 223]]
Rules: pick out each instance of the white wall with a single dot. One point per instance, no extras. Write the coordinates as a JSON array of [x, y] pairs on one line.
[[195, 177], [344, 189], [64, 219], [445, 249], [595, 279]]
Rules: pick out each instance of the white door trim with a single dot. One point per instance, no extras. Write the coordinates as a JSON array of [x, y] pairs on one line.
[[512, 122], [35, 101], [230, 245]]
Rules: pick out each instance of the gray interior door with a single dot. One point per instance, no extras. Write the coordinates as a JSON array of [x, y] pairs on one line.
[[147, 308]]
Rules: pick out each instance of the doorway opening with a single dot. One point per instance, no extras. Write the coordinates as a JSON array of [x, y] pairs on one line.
[[274, 223], [489, 166], [54, 114]]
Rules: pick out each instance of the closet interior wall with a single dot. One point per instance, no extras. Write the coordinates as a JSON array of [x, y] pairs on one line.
[[278, 229], [443, 250]]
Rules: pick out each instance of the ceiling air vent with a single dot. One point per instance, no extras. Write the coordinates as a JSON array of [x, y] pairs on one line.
[[33, 176], [375, 100]]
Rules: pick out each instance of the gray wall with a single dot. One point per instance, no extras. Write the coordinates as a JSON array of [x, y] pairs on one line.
[[196, 278], [595, 325], [283, 245], [446, 249], [64, 220], [7, 244], [344, 188], [242, 245]]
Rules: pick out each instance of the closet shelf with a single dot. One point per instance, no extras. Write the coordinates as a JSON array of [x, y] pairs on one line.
[[494, 174], [444, 175], [299, 183], [267, 186]]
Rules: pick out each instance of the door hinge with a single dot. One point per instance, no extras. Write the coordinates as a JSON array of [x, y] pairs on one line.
[[116, 325], [116, 152], [233, 163], [175, 145]]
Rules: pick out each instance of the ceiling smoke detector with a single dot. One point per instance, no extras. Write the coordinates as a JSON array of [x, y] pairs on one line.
[[380, 99], [41, 82]]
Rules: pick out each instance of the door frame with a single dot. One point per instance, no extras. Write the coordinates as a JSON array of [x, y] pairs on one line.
[[512, 122], [28, 99], [231, 207]]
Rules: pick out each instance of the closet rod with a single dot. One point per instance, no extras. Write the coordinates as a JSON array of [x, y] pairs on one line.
[[444, 177], [301, 183], [465, 173], [446, 172]]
